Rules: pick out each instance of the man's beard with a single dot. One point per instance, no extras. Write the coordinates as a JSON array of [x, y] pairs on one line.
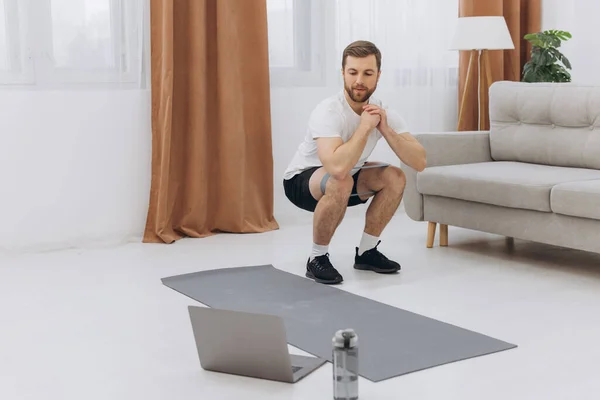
[[360, 96]]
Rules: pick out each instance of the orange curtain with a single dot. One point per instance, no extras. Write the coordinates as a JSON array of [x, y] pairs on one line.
[[522, 17], [212, 162]]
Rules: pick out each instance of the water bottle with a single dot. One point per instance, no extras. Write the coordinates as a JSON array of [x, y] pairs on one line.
[[345, 365]]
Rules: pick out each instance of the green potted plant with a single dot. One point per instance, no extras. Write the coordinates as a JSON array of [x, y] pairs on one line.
[[547, 63]]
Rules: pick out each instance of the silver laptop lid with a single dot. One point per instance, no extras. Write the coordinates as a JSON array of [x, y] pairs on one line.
[[241, 343]]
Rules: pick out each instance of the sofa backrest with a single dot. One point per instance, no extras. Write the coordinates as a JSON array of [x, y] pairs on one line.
[[545, 123]]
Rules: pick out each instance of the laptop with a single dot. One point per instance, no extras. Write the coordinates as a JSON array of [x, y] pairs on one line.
[[247, 344]]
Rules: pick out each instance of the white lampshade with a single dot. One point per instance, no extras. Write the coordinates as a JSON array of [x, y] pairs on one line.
[[481, 33]]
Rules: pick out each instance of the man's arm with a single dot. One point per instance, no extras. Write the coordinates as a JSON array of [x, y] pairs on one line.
[[407, 148], [339, 158]]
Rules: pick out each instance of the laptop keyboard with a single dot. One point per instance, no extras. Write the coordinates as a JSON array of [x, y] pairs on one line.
[[296, 369]]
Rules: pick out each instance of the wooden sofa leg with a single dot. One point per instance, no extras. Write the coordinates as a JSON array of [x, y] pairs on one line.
[[431, 234], [443, 235]]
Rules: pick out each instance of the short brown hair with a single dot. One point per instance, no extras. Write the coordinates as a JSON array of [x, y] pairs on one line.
[[361, 48]]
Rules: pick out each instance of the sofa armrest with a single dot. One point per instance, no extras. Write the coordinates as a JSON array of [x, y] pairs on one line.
[[444, 148]]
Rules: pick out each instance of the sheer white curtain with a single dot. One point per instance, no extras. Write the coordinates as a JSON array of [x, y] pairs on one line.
[[52, 43], [419, 74]]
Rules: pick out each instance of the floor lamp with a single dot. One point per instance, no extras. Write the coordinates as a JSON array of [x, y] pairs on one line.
[[479, 35]]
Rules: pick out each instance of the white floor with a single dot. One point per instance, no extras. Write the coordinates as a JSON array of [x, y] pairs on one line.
[[98, 324]]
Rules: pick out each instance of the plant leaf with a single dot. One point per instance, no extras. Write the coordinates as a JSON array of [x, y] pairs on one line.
[[534, 39], [547, 63]]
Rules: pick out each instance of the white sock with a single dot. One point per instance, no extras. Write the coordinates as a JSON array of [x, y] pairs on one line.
[[318, 250], [367, 243]]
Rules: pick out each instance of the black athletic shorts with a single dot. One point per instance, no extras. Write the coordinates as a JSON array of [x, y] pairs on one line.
[[298, 191]]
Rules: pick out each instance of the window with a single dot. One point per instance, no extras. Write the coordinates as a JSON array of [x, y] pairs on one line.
[[72, 42], [296, 43], [419, 73], [82, 34], [307, 37], [281, 33]]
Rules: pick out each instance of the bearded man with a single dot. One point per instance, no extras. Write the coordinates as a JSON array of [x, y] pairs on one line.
[[331, 169]]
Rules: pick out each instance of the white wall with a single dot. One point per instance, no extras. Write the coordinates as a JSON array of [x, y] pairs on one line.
[[580, 17], [74, 167]]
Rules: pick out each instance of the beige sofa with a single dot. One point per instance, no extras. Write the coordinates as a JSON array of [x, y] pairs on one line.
[[535, 175]]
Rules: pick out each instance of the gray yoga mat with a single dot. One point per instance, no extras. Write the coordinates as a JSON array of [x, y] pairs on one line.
[[392, 341]]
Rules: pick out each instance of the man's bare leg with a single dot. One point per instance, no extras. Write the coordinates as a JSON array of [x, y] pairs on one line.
[[388, 183], [328, 214], [331, 206]]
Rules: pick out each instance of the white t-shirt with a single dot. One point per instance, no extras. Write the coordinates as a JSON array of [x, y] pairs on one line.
[[334, 117]]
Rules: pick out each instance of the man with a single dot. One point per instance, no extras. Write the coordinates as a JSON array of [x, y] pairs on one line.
[[330, 172]]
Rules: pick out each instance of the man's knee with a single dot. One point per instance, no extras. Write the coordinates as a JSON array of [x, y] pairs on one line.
[[394, 179], [341, 188]]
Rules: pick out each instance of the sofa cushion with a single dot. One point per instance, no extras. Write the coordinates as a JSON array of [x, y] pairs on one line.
[[501, 183], [577, 199], [545, 123]]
